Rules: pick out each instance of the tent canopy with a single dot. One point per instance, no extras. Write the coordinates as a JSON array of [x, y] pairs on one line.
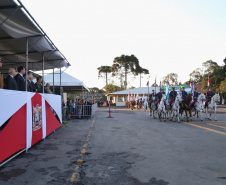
[[68, 82], [16, 26]]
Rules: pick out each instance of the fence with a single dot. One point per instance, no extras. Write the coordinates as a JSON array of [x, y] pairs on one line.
[[81, 111]]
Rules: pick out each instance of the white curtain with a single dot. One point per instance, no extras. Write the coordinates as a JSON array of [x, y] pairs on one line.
[[43, 118]]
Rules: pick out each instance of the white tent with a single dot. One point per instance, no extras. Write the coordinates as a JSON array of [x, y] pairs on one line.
[[68, 82]]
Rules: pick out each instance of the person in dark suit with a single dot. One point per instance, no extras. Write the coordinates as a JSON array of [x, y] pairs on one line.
[[21, 82], [38, 85], [31, 85], [11, 83]]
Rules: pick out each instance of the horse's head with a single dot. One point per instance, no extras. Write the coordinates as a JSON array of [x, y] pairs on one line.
[[164, 97], [202, 97], [178, 98], [189, 97], [216, 98]]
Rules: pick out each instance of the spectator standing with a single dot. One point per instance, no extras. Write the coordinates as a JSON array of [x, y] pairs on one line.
[[1, 77], [80, 103], [38, 85], [47, 89], [11, 83], [21, 83], [31, 84]]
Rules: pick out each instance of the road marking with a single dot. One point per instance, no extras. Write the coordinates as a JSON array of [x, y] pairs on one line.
[[79, 161], [73, 177], [223, 133], [83, 151], [216, 125]]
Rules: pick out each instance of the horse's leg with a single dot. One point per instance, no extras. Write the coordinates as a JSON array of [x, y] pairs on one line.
[[206, 112], [178, 115], [215, 111], [186, 115], [190, 114]]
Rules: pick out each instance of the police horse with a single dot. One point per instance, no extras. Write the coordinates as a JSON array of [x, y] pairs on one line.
[[152, 107], [186, 106], [212, 106], [198, 106], [145, 103], [174, 110], [162, 109]]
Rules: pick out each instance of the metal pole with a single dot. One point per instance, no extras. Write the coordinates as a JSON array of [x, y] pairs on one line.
[[60, 82], [53, 82], [26, 62], [43, 68]]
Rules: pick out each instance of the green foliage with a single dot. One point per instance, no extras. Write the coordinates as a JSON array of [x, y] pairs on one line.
[[172, 78], [104, 70], [127, 64], [196, 75], [96, 90], [110, 88], [73, 95], [154, 85]]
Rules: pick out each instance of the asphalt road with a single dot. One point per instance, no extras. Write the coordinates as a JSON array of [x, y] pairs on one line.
[[130, 149]]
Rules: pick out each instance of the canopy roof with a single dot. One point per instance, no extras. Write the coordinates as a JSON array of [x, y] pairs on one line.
[[68, 82], [17, 24]]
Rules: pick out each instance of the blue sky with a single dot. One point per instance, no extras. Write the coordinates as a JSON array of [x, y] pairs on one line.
[[166, 36]]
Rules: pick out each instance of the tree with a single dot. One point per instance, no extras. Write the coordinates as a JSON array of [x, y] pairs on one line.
[[154, 85], [125, 64], [171, 78], [104, 70], [140, 70], [110, 88], [94, 90], [196, 75]]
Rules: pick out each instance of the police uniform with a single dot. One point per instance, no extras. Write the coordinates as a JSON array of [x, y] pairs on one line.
[[209, 95], [195, 96], [151, 96], [172, 95], [159, 95]]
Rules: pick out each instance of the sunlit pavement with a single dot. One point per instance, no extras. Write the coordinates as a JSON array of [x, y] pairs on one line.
[[131, 148]]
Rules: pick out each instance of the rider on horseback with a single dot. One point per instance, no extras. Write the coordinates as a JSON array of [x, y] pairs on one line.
[[159, 95], [172, 95], [184, 95], [151, 96], [196, 95], [209, 95]]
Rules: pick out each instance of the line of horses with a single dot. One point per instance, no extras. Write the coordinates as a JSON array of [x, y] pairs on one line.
[[179, 109]]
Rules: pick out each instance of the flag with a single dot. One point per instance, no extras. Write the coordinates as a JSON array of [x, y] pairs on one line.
[[167, 90], [192, 90], [148, 84], [129, 96], [155, 82], [160, 85], [190, 84], [208, 81], [137, 96]]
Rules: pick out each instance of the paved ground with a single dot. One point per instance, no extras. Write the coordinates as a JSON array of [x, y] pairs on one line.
[[130, 149]]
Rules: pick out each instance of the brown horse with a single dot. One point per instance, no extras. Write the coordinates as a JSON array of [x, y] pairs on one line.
[[132, 104], [186, 106]]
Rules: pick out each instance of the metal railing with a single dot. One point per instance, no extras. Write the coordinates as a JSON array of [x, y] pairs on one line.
[[78, 112]]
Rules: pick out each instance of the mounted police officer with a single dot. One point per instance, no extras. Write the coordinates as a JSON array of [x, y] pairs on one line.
[[172, 95], [209, 95], [184, 95], [195, 96], [152, 96], [159, 95]]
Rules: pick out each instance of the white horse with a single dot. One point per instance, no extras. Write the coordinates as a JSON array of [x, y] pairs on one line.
[[145, 103], [162, 108], [175, 109], [199, 105], [152, 110], [213, 106]]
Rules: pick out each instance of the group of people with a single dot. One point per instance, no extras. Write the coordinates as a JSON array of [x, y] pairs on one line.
[[76, 108], [17, 81], [173, 94]]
